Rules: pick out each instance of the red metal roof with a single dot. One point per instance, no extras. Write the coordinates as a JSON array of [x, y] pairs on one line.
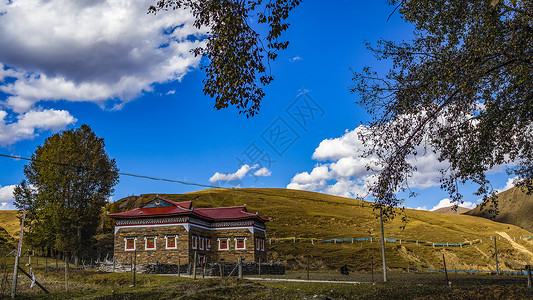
[[225, 213], [181, 208], [175, 208]]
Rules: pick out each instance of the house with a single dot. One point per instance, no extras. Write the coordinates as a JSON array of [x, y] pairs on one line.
[[165, 231]]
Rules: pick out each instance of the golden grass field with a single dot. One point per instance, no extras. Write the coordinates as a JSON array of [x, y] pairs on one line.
[[299, 216]]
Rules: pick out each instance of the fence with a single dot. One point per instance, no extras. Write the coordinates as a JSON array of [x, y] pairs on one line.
[[391, 240]]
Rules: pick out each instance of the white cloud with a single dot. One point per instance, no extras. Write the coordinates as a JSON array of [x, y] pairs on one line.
[[343, 169], [447, 203], [91, 50], [296, 58], [509, 184], [103, 51], [27, 124], [244, 169], [263, 172], [6, 197]]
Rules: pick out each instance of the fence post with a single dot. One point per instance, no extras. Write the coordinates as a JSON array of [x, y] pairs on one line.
[[179, 266], [528, 271], [194, 266], [240, 267], [496, 256], [445, 270], [66, 273], [312, 241], [307, 267], [372, 266], [259, 266]]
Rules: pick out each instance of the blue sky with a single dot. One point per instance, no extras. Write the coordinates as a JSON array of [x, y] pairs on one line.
[[100, 63]]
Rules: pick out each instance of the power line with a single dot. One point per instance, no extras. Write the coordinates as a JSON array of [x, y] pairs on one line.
[[164, 179], [120, 173]]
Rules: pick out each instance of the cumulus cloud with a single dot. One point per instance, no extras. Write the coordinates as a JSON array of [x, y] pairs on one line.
[[244, 169], [91, 50], [264, 172], [6, 197], [103, 51], [342, 169], [447, 203], [239, 174], [27, 124], [508, 185]]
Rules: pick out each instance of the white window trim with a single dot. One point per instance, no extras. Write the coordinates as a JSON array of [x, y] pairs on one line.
[[207, 244], [192, 242], [146, 242], [240, 238], [126, 243], [202, 243], [227, 241], [175, 237]]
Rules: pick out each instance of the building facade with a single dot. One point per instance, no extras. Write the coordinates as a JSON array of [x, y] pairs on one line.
[[168, 232]]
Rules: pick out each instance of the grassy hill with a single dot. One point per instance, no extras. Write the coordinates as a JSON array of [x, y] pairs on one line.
[[450, 210], [299, 216], [515, 207]]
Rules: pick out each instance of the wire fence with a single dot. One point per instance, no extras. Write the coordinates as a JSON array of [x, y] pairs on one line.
[[392, 240]]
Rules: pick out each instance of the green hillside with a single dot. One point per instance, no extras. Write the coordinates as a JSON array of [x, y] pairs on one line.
[[515, 207], [299, 216]]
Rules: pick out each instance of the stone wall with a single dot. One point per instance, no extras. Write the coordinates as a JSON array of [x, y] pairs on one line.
[[160, 254], [185, 252], [213, 269]]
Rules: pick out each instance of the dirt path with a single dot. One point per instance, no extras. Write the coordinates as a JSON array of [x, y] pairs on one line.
[[516, 245]]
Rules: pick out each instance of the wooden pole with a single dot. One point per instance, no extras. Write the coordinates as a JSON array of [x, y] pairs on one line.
[[496, 256], [179, 266], [220, 269], [194, 266], [19, 251], [134, 265], [445, 270], [66, 273], [307, 267], [259, 266], [36, 282], [383, 245], [528, 271], [372, 267], [240, 267]]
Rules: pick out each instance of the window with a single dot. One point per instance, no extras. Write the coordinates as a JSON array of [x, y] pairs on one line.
[[208, 244], [202, 259], [257, 244], [240, 243], [130, 243], [194, 242], [150, 242], [202, 243], [223, 244], [171, 241], [262, 245]]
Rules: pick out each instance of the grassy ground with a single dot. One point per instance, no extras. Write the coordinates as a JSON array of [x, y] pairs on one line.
[[85, 284]]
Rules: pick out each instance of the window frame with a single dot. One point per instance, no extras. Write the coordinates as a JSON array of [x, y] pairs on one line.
[[146, 242], [202, 243], [237, 239], [194, 242], [227, 244], [207, 244], [170, 237], [126, 243]]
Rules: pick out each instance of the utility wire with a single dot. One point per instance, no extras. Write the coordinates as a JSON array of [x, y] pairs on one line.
[[362, 204], [120, 173]]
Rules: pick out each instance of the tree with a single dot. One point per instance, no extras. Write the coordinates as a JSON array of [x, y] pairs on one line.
[[462, 88], [69, 179], [239, 57]]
